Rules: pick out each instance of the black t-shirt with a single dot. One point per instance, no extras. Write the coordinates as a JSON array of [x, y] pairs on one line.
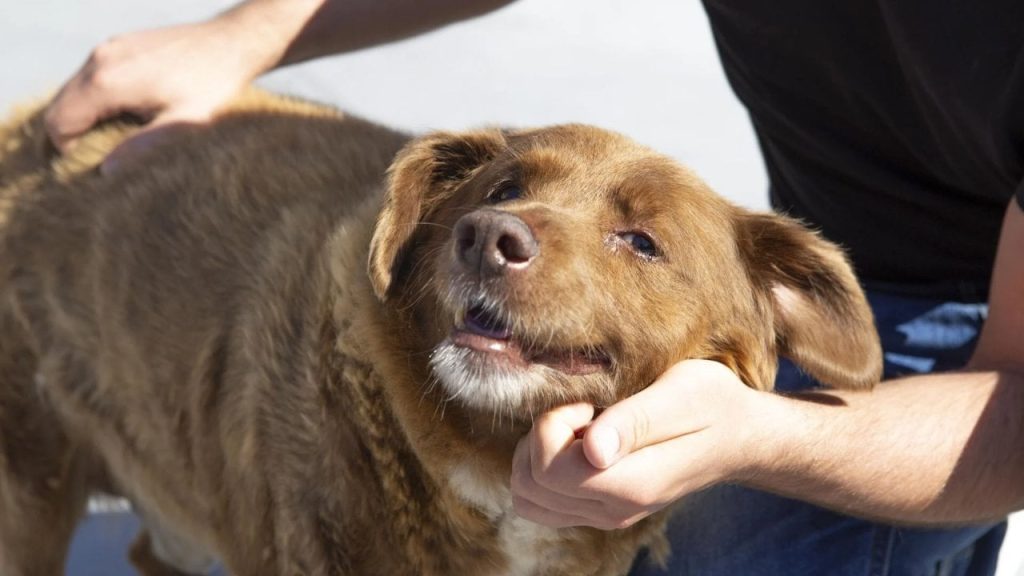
[[894, 126]]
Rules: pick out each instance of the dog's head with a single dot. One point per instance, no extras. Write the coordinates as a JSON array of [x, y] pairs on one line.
[[569, 263]]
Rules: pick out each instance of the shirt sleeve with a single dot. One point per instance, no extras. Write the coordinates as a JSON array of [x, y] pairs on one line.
[[1020, 195]]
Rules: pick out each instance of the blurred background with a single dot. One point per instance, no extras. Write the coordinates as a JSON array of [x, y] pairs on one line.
[[647, 69]]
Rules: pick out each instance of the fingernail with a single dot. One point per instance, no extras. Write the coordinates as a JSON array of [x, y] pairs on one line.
[[606, 440]]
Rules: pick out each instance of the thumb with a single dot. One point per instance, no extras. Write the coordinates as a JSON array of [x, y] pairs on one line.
[[160, 129], [668, 408], [619, 430]]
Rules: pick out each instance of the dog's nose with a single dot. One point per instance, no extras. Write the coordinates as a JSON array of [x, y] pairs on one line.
[[493, 242]]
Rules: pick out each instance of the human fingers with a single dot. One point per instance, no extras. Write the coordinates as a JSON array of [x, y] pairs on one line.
[[545, 516], [175, 70], [76, 108], [649, 479], [534, 500], [554, 433], [572, 492], [549, 452]]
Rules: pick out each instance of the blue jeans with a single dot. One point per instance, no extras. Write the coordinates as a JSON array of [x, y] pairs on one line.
[[735, 531]]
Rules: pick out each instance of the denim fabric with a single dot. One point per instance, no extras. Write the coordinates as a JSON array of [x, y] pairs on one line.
[[735, 531]]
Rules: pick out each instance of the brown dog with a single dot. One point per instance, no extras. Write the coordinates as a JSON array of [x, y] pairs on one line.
[[200, 333]]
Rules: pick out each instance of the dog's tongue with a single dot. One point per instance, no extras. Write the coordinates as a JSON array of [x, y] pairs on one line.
[[480, 322]]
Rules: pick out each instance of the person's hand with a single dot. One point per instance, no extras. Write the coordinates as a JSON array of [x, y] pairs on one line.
[[166, 76], [688, 430]]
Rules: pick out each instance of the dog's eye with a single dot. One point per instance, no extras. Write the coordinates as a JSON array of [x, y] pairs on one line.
[[505, 193], [641, 244]]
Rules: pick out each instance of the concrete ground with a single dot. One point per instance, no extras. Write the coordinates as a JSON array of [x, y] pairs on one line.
[[651, 73]]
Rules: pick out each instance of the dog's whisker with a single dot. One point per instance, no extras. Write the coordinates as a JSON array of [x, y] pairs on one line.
[[436, 225]]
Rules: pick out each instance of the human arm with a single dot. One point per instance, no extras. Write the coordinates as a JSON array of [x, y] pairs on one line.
[[940, 448], [185, 73]]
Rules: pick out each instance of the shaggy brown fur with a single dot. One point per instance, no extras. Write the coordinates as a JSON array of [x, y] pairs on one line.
[[200, 333]]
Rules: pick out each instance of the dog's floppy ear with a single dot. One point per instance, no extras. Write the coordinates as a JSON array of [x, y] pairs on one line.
[[820, 316], [423, 173]]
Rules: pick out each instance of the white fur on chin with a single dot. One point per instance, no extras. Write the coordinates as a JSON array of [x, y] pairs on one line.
[[474, 380]]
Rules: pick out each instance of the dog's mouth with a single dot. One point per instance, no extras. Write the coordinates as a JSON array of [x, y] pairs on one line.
[[485, 332]]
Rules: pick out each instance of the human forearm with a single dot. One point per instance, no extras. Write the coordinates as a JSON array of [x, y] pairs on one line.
[[936, 448], [942, 448], [282, 32]]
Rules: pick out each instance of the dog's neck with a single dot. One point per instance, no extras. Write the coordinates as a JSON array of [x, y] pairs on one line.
[[445, 470], [454, 460]]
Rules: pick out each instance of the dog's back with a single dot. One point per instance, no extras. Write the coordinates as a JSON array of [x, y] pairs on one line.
[[131, 289]]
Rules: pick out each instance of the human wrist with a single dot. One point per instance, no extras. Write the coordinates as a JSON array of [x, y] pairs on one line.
[[261, 32], [768, 442]]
